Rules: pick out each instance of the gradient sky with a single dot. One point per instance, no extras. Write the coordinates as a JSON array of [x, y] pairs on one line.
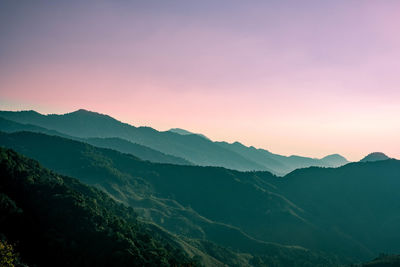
[[294, 77]]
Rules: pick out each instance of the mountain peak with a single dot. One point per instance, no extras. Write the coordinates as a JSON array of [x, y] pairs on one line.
[[375, 156], [335, 160], [84, 112], [334, 156], [87, 113]]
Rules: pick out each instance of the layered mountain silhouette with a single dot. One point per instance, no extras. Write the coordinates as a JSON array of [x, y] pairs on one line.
[[375, 156], [186, 200], [191, 148], [185, 132], [118, 144], [315, 216], [279, 164]]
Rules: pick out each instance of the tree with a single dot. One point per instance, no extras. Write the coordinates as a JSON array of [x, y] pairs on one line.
[[8, 258]]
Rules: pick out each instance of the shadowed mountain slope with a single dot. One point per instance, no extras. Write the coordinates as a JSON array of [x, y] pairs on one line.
[[279, 164], [240, 211], [180, 143], [57, 221], [350, 211], [383, 260], [140, 151], [118, 144], [359, 201], [86, 124], [375, 156]]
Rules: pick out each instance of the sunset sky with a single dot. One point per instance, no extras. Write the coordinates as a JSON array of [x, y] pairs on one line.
[[294, 77]]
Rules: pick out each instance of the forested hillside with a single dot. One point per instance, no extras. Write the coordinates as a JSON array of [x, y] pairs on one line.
[[55, 220], [322, 209], [202, 204]]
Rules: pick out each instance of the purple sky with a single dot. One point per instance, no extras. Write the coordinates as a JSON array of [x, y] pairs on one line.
[[294, 77]]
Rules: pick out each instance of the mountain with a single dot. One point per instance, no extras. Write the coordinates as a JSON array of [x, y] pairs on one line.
[[12, 126], [118, 144], [350, 211], [335, 160], [357, 201], [185, 132], [260, 156], [177, 142], [211, 207], [54, 220], [137, 150], [279, 164], [375, 156], [86, 124]]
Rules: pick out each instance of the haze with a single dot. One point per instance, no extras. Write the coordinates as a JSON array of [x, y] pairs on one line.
[[309, 78]]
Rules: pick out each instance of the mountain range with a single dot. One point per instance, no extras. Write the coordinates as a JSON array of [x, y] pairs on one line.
[[173, 197], [47, 219], [185, 147], [270, 210], [315, 216]]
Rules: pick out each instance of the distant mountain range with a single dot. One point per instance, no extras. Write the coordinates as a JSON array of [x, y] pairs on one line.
[[177, 146], [315, 216], [118, 144]]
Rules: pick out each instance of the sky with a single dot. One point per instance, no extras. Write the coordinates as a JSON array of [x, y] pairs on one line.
[[306, 77]]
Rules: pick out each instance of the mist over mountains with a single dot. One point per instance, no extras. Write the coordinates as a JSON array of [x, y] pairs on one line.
[[207, 215], [199, 133], [190, 148]]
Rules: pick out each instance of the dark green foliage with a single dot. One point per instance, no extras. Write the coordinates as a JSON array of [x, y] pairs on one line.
[[214, 204], [358, 202], [58, 221], [383, 260], [272, 257], [351, 211]]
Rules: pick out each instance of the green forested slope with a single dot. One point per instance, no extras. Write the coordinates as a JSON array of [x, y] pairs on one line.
[[199, 203], [57, 221]]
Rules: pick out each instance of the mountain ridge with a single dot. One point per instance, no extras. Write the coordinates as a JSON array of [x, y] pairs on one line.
[[119, 144], [301, 208], [153, 188], [91, 230], [194, 148], [186, 132]]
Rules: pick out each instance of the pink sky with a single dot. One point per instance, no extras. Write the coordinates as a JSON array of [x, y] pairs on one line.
[[310, 79]]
